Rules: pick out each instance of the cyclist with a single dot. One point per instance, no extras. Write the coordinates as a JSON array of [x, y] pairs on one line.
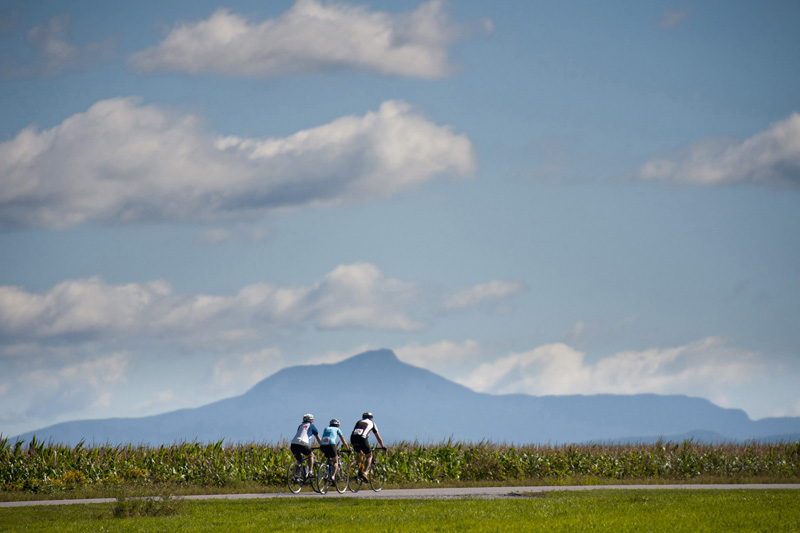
[[301, 445], [359, 440], [329, 444]]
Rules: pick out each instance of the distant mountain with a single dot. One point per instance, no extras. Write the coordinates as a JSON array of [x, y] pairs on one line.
[[413, 404]]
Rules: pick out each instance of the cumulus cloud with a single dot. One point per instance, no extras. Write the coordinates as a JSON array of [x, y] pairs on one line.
[[708, 365], [480, 294], [123, 162], [769, 158], [310, 37], [442, 356], [87, 306], [55, 53], [357, 295]]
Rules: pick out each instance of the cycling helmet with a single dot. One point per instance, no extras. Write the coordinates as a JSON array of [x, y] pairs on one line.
[[367, 415], [308, 418], [334, 422]]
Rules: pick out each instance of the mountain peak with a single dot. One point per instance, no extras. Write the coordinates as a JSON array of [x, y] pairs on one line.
[[381, 355]]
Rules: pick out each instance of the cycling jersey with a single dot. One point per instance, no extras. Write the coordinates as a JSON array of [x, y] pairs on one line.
[[304, 432], [331, 435], [363, 428]]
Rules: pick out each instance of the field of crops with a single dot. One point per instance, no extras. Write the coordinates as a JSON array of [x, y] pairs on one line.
[[38, 467]]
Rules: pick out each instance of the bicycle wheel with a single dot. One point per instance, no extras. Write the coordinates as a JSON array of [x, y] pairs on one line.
[[314, 476], [341, 479], [323, 478], [355, 481], [294, 477], [377, 476]]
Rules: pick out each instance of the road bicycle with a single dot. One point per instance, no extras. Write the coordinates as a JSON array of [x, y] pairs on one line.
[[377, 472], [298, 475], [325, 480]]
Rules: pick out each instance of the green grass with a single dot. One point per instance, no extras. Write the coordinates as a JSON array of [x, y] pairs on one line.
[[606, 510]]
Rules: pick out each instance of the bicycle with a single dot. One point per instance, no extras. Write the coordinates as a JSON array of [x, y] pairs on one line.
[[377, 472], [297, 475], [325, 480]]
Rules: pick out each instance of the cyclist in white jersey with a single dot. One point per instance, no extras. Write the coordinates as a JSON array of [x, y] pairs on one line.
[[359, 439], [301, 444]]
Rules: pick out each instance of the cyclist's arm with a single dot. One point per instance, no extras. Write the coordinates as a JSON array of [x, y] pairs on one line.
[[378, 437]]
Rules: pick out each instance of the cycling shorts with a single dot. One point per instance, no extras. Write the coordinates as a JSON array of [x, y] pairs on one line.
[[329, 450], [299, 451], [360, 444]]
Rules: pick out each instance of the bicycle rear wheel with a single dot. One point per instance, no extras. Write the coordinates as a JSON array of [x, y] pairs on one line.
[[294, 477], [355, 481], [341, 479], [377, 476]]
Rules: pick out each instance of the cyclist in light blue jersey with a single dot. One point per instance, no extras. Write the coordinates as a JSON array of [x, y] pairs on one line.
[[331, 436]]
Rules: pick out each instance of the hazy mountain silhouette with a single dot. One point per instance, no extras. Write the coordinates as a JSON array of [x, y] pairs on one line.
[[411, 403]]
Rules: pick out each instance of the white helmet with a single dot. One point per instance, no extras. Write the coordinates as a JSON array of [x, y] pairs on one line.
[[308, 418]]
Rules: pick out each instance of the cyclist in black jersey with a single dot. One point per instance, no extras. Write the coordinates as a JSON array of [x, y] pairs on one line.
[[359, 439]]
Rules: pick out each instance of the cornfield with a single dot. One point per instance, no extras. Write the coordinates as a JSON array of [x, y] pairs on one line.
[[46, 467]]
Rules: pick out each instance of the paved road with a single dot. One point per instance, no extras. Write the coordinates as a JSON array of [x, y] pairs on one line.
[[437, 493]]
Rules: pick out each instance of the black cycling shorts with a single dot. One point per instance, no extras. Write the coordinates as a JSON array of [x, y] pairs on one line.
[[329, 450], [299, 451], [360, 444]]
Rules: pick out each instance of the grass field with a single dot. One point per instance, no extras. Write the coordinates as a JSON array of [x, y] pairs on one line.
[[605, 510]]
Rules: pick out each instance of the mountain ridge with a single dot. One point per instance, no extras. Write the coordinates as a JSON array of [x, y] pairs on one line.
[[415, 404]]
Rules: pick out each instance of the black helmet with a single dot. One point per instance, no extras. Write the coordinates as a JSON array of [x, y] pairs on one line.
[[334, 422], [367, 415]]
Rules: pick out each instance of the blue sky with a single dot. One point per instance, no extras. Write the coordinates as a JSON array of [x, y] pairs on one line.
[[536, 197]]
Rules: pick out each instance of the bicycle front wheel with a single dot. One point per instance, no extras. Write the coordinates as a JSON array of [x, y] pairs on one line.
[[294, 477], [341, 479], [377, 477], [323, 478], [314, 477], [355, 481]]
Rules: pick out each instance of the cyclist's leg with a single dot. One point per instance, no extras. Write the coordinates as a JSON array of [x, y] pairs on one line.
[[298, 451], [367, 462]]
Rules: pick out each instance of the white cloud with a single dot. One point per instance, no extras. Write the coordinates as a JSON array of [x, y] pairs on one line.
[[55, 53], [86, 306], [440, 356], [125, 162], [235, 373], [706, 367], [357, 295], [770, 158], [351, 296], [480, 294], [310, 37]]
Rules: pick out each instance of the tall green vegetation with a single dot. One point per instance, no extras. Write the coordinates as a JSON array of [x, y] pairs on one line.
[[39, 467]]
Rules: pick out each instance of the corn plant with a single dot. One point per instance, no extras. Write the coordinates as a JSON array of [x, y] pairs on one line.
[[37, 466]]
